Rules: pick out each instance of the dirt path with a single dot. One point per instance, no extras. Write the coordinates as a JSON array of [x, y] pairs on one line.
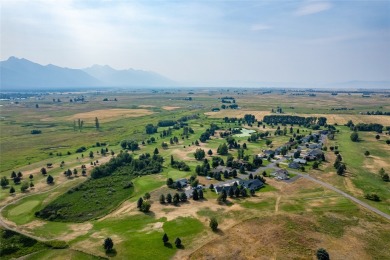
[[277, 204]]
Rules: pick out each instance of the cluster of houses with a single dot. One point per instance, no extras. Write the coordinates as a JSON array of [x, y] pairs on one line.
[[251, 184], [309, 151]]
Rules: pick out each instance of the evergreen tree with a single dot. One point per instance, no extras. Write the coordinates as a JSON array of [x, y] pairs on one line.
[[201, 194], [4, 182], [162, 199], [178, 242], [165, 238], [213, 224], [50, 179], [12, 190], [139, 203], [108, 244], [169, 198]]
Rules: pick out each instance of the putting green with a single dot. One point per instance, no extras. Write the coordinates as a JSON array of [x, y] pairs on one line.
[[24, 208]]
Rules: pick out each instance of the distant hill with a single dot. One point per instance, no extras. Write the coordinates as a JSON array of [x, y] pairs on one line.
[[111, 77], [18, 73], [24, 74]]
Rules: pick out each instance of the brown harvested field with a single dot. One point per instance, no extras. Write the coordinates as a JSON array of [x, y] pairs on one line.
[[107, 115], [170, 108], [287, 237], [331, 118], [146, 106], [237, 113]]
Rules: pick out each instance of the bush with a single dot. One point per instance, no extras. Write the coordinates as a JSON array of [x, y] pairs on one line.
[[322, 254], [372, 196], [36, 132], [213, 224], [354, 137], [57, 244]]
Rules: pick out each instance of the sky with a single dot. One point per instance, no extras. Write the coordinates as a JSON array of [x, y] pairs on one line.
[[206, 42]]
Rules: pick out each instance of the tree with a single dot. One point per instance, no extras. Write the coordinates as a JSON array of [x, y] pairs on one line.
[[147, 196], [200, 194], [12, 190], [50, 179], [377, 137], [322, 254], [108, 244], [199, 154], [13, 175], [4, 182], [176, 199], [156, 151], [31, 184], [162, 199], [183, 197], [139, 203], [385, 177], [75, 172], [210, 152], [145, 206], [24, 186], [354, 137], [97, 125], [367, 153], [43, 171], [165, 238], [315, 165], [90, 154], [31, 176], [178, 242], [195, 195], [213, 224], [169, 182], [169, 198]]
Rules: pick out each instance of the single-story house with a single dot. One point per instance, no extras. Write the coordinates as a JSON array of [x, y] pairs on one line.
[[314, 146], [314, 154], [252, 184], [300, 161], [281, 174], [294, 165], [183, 182]]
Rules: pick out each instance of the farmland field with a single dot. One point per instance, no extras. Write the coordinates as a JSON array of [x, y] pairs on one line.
[[89, 200]]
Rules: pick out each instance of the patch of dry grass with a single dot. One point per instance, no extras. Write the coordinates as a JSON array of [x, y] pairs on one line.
[[107, 115]]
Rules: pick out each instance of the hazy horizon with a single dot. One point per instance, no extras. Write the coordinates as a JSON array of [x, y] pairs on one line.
[[304, 42]]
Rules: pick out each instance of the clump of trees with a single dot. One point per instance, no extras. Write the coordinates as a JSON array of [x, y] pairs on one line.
[[130, 144]]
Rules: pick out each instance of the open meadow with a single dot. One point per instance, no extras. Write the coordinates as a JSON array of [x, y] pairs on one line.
[[111, 149]]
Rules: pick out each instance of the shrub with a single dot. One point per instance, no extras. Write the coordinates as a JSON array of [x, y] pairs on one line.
[[213, 224]]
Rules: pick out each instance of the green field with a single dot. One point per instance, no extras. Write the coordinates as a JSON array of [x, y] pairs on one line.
[[84, 210]]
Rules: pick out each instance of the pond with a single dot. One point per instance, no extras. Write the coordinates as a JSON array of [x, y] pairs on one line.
[[245, 133]]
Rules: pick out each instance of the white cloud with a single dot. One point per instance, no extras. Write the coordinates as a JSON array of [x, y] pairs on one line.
[[260, 27], [313, 8]]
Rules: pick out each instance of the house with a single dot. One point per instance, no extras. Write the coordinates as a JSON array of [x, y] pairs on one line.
[[314, 146], [281, 174], [252, 184], [266, 153], [300, 161], [294, 165], [183, 182], [314, 154], [221, 168]]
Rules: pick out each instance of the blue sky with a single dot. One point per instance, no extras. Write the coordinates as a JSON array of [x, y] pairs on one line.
[[206, 41]]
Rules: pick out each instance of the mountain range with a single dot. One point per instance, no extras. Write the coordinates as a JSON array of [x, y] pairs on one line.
[[18, 73]]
